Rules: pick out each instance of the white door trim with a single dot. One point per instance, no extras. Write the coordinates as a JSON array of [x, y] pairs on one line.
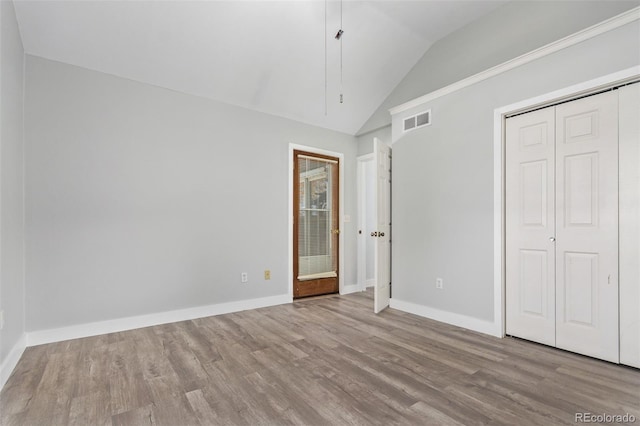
[[499, 116], [362, 213], [340, 156]]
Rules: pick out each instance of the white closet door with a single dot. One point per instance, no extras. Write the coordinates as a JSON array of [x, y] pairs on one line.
[[630, 224], [587, 226], [530, 226]]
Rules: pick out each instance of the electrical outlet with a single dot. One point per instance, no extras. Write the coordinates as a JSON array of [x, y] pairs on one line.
[[267, 274], [244, 277], [439, 283]]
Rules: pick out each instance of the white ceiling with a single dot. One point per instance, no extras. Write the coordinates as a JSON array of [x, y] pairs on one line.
[[263, 55]]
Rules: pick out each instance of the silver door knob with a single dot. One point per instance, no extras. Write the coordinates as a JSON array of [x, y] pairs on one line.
[[552, 239]]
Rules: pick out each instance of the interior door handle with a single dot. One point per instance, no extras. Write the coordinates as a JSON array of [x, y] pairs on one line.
[[382, 234], [552, 239], [374, 234]]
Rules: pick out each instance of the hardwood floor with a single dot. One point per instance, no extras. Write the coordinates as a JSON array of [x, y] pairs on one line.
[[318, 361]]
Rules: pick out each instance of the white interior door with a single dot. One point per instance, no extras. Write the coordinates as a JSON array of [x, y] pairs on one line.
[[382, 289], [629, 193], [587, 226], [530, 226]]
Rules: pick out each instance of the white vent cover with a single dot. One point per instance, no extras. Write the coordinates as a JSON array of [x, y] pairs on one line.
[[418, 120]]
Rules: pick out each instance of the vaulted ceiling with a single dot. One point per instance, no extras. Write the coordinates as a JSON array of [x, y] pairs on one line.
[[263, 55]]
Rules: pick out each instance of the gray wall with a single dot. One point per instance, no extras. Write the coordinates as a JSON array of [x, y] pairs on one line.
[[12, 286], [443, 175], [142, 200], [511, 30], [365, 141]]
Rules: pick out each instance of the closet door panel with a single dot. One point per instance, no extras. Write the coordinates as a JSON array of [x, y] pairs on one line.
[[530, 257], [587, 226], [630, 225]]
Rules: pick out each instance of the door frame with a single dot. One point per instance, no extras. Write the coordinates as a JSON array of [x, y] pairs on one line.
[[362, 201], [340, 156], [499, 139]]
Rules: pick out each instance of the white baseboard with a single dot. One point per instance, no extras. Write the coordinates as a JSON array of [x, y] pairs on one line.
[[348, 289], [470, 323], [41, 337], [10, 362]]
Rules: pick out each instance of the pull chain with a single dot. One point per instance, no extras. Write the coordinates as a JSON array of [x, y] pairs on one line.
[[325, 57], [341, 32]]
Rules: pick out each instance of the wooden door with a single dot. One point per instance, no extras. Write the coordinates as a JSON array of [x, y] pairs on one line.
[[587, 226], [530, 226], [382, 235], [315, 224]]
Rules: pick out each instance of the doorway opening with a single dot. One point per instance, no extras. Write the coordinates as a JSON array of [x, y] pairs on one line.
[[374, 224], [366, 221]]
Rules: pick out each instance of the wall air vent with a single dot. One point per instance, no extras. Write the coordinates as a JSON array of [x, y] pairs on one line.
[[418, 120]]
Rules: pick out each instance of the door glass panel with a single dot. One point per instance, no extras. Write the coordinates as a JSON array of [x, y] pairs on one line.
[[316, 254]]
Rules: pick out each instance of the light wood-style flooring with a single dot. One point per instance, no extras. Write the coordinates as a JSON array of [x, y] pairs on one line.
[[321, 361]]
